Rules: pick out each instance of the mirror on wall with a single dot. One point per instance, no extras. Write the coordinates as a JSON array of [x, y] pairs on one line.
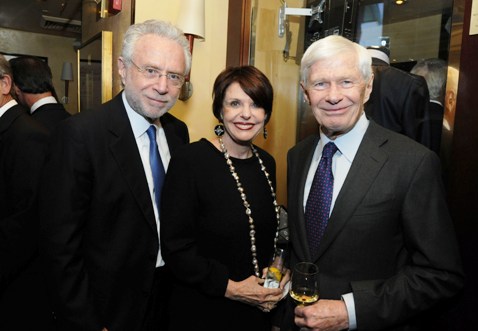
[[412, 31], [95, 71], [415, 30]]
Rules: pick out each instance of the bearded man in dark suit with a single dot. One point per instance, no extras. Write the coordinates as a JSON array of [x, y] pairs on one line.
[[101, 219], [34, 89], [23, 144], [388, 253], [399, 99]]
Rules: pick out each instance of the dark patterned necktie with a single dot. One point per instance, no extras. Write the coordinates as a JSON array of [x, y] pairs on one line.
[[157, 168], [319, 201]]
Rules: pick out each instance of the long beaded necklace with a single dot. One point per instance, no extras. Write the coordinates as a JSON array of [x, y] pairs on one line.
[[252, 231]]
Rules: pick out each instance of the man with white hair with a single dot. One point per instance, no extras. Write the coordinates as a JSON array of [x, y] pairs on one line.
[[382, 238], [100, 203]]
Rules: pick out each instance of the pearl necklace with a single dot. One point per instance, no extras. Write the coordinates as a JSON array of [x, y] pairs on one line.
[[252, 231]]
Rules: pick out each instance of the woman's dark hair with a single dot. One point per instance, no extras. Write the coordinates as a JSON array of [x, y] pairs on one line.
[[252, 81]]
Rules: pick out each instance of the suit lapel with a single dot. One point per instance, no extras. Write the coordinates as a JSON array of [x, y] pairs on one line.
[[124, 149], [367, 164], [170, 132], [6, 121], [9, 117]]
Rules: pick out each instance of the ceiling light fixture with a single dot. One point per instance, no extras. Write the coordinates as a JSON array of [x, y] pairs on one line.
[[400, 2]]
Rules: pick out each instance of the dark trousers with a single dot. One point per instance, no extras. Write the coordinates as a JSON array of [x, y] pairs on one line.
[[156, 318]]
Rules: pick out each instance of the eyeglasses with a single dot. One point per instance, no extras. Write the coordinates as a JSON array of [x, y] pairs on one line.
[[173, 79]]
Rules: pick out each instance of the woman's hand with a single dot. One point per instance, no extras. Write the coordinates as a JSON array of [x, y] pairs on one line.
[[251, 292], [285, 278]]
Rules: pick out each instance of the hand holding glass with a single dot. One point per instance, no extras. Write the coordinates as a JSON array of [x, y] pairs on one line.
[[275, 270], [305, 283]]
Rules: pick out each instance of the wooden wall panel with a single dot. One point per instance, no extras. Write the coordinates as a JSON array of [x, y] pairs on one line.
[[463, 176], [238, 32]]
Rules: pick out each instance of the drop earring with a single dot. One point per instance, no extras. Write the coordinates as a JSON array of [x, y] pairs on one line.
[[219, 130], [265, 132]]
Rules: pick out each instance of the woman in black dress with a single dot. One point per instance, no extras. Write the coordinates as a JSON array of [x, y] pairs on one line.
[[219, 214]]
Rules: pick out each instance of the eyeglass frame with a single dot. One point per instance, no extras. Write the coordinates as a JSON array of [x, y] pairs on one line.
[[159, 74]]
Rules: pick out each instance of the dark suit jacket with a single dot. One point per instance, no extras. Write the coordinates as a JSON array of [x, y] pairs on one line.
[[23, 143], [434, 123], [50, 114], [99, 229], [389, 239], [399, 101]]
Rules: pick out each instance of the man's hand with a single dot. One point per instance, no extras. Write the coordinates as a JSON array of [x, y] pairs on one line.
[[324, 315]]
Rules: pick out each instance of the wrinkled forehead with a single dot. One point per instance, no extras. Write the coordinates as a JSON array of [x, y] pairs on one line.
[[341, 67]]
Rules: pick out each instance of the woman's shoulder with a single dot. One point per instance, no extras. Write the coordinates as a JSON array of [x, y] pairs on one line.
[[195, 150], [265, 156]]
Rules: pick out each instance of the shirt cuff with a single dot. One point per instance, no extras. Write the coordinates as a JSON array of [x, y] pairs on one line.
[[350, 305]]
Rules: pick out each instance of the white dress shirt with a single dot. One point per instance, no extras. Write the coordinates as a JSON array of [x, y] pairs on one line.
[[7, 106], [41, 102], [140, 125]]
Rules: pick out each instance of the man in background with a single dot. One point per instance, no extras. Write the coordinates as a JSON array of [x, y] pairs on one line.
[[34, 89], [99, 205], [23, 143], [399, 100], [434, 71]]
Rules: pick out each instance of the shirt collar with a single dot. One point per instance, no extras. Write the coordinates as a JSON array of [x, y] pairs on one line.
[[41, 102], [348, 144], [437, 102], [7, 106]]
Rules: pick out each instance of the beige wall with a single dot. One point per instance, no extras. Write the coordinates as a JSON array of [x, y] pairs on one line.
[[284, 76], [209, 58], [56, 49]]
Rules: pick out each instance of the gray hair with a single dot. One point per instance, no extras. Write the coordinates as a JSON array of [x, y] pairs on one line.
[[434, 71], [6, 70], [159, 28], [328, 48], [4, 67]]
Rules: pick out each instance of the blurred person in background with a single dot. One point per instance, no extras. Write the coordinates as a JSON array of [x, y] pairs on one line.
[[33, 85], [23, 143]]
